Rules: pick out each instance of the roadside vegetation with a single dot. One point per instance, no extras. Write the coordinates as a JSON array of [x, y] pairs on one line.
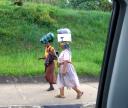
[[22, 27]]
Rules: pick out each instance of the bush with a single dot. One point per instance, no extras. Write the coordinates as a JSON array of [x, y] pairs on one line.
[[105, 5], [76, 3], [36, 15], [89, 5], [63, 4]]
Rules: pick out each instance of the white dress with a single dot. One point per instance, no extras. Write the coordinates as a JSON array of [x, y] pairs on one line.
[[70, 80]]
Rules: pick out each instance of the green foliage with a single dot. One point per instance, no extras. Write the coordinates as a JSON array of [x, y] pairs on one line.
[[62, 4], [76, 3], [105, 5], [22, 27], [89, 5]]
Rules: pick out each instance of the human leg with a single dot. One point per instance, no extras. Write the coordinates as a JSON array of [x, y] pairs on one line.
[[61, 95], [51, 87], [79, 93], [50, 76]]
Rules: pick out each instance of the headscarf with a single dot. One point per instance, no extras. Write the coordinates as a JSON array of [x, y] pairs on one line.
[[48, 38]]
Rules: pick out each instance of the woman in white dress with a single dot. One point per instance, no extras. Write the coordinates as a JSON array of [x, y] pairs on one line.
[[67, 76]]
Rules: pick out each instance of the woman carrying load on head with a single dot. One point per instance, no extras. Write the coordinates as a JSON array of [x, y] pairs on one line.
[[49, 58], [67, 76]]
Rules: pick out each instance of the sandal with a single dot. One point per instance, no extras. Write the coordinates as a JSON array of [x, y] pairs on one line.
[[79, 95], [59, 96]]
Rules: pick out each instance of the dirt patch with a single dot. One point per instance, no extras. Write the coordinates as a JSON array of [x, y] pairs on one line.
[[38, 79]]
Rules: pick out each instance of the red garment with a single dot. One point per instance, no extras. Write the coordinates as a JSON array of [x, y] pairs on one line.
[[49, 65], [50, 73]]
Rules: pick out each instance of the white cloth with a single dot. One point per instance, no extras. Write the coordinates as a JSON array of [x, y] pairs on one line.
[[70, 80], [64, 56]]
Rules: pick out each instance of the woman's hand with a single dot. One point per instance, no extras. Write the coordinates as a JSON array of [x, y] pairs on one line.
[[64, 73]]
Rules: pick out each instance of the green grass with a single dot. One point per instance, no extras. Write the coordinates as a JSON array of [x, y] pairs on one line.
[[22, 27]]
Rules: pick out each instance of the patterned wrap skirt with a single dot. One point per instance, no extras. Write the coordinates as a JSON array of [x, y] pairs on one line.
[[70, 80], [50, 73]]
